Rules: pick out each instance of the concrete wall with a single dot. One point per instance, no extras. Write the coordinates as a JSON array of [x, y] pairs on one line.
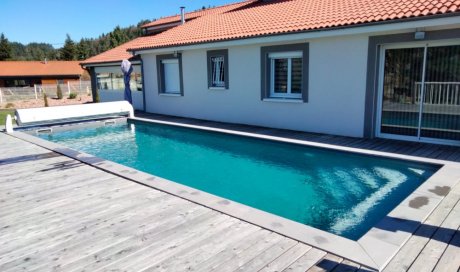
[[337, 82]]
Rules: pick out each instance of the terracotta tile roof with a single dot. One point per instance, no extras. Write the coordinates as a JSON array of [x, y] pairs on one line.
[[39, 68], [195, 14], [286, 16], [118, 53]]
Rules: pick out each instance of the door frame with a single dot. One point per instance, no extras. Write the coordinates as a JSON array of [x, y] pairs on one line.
[[380, 81]]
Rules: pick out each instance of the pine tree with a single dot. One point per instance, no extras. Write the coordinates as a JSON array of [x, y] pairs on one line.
[[5, 48], [83, 49], [69, 51]]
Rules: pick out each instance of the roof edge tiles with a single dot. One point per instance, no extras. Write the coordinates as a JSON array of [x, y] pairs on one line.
[[279, 17]]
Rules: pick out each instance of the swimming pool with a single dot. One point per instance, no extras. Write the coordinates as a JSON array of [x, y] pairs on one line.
[[339, 192]]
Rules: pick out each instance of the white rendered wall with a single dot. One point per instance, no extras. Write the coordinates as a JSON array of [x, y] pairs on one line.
[[119, 95], [337, 82]]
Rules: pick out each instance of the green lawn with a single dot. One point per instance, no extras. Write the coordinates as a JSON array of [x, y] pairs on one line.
[[3, 114]]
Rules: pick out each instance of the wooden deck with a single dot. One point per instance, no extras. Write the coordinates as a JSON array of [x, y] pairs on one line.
[[58, 214]]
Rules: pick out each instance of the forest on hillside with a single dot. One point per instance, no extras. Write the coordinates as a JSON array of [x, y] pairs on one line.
[[72, 50]]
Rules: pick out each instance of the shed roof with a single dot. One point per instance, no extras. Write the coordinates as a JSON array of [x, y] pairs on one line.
[[40, 68]]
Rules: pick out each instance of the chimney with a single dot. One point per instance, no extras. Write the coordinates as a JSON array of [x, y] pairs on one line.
[[182, 15]]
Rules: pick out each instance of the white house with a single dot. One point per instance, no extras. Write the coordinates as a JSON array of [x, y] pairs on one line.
[[380, 68]]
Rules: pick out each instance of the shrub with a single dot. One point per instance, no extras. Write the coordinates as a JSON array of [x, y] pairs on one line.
[[72, 95], [59, 92], [9, 105], [45, 98]]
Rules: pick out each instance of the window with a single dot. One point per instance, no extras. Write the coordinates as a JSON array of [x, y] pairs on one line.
[[110, 78], [286, 75], [218, 69], [285, 72], [170, 74]]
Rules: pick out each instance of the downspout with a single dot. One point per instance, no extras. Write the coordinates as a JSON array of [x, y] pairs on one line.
[[92, 73], [144, 106]]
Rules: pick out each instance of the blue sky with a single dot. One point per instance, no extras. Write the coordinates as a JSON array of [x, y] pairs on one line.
[[48, 21]]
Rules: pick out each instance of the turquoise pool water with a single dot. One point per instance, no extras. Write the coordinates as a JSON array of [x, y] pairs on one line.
[[339, 192]]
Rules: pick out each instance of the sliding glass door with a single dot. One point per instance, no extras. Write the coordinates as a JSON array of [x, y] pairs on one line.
[[441, 107], [420, 93]]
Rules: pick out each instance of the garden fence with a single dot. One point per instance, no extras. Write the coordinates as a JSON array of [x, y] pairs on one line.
[[10, 94]]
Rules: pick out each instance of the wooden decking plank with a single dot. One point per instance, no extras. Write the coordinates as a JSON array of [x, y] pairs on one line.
[[46, 178], [231, 251], [31, 201], [12, 172], [66, 216], [328, 263], [139, 254], [193, 254], [80, 189], [409, 252], [287, 258], [268, 256], [248, 254], [60, 213], [432, 252], [45, 236], [90, 238], [450, 259], [307, 261], [154, 234]]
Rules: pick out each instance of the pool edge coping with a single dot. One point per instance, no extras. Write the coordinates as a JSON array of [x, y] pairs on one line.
[[373, 250]]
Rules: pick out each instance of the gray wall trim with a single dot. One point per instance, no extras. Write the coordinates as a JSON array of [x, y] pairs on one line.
[[265, 67], [214, 53], [92, 73], [161, 75], [144, 107], [372, 84]]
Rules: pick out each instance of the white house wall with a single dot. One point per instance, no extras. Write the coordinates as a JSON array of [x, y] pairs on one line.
[[337, 82]]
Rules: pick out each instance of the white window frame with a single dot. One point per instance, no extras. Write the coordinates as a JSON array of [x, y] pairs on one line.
[[289, 56], [171, 61], [216, 72]]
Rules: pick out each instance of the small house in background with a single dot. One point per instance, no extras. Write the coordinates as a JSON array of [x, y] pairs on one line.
[[29, 73]]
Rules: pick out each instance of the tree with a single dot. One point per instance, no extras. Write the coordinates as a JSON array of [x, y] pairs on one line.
[[83, 49], [69, 51], [5, 48], [86, 48], [59, 92], [45, 98]]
